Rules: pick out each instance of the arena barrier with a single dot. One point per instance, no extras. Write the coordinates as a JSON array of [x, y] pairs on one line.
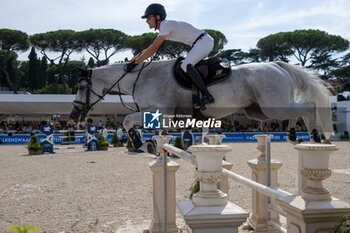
[[229, 137], [311, 210], [48, 141]]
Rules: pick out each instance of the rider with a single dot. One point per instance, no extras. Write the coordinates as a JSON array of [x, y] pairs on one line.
[[202, 44]]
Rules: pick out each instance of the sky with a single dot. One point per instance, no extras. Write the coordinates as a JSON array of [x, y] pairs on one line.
[[243, 22]]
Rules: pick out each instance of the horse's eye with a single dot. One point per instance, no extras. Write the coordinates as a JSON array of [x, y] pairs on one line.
[[82, 85]]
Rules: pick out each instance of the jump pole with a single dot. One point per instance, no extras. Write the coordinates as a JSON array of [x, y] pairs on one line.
[[47, 142]]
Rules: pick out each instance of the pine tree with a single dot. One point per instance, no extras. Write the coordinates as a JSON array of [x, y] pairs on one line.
[[33, 70], [42, 72]]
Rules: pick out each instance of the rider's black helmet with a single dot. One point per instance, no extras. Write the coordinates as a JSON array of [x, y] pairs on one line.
[[155, 9]]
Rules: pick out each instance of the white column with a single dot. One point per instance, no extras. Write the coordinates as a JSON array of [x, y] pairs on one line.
[[314, 210], [210, 210], [258, 219], [157, 224]]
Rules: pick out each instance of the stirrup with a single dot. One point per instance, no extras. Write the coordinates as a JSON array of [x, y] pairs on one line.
[[207, 99]]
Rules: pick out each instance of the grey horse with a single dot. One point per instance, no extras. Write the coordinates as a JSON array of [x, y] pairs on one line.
[[275, 90]]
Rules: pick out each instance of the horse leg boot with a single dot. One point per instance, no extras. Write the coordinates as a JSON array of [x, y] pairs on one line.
[[135, 138], [198, 82]]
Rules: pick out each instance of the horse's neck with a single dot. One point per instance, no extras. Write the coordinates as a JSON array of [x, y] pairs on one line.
[[107, 76], [157, 73]]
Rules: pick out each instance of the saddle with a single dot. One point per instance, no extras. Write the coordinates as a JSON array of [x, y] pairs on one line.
[[213, 70]]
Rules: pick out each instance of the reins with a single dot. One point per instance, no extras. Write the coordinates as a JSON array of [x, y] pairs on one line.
[[87, 106]]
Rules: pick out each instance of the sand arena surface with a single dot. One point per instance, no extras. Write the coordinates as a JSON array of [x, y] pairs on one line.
[[77, 191]]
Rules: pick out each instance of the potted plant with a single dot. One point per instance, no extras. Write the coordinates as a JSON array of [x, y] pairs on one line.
[[102, 143], [129, 145], [115, 140], [34, 147]]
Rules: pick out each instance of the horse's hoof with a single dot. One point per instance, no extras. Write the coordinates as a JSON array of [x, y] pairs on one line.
[[315, 136], [326, 142], [151, 147], [299, 140], [292, 135]]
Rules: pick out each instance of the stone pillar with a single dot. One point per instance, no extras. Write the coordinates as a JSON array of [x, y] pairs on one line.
[[210, 210], [223, 184], [217, 140], [258, 219], [157, 224], [314, 210]]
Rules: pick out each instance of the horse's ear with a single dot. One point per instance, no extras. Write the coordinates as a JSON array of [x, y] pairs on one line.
[[84, 72]]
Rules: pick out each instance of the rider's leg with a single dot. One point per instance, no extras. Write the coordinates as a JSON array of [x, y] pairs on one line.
[[198, 81], [199, 51]]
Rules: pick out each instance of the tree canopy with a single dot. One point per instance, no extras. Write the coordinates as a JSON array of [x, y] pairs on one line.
[[302, 44], [102, 41], [63, 42], [54, 72], [11, 41], [219, 40]]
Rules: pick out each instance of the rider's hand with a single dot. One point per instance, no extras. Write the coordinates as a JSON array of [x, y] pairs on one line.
[[130, 66]]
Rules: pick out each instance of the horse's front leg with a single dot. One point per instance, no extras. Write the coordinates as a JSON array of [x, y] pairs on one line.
[[129, 122]]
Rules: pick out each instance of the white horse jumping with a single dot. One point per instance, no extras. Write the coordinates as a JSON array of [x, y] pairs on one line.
[[274, 90]]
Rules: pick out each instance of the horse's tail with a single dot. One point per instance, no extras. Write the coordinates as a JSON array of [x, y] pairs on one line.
[[309, 87]]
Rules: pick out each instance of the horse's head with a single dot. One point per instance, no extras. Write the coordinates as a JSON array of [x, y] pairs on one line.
[[82, 102]]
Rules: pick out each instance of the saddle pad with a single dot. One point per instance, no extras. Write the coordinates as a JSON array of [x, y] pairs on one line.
[[211, 74]]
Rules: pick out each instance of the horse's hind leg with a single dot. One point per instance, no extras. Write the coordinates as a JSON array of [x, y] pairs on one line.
[[293, 112]]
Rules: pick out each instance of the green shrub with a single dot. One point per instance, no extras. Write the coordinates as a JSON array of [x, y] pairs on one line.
[[343, 226], [22, 228], [179, 143], [115, 139], [101, 141], [34, 143], [104, 143], [129, 143], [34, 139], [194, 188]]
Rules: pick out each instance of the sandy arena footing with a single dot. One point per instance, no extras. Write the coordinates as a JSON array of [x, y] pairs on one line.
[[110, 191]]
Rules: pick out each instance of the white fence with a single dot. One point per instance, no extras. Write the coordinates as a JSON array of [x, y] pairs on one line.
[[312, 210]]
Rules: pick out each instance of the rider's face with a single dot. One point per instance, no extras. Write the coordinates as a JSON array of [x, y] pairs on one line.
[[151, 21]]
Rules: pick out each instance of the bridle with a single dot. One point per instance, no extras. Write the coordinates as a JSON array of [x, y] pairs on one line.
[[85, 107]]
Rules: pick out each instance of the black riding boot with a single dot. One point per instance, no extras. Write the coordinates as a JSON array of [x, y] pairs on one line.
[[198, 82]]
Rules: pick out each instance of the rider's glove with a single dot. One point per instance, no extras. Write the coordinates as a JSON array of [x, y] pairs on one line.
[[130, 65]]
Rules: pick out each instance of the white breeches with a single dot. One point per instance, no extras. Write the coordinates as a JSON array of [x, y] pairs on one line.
[[199, 51]]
